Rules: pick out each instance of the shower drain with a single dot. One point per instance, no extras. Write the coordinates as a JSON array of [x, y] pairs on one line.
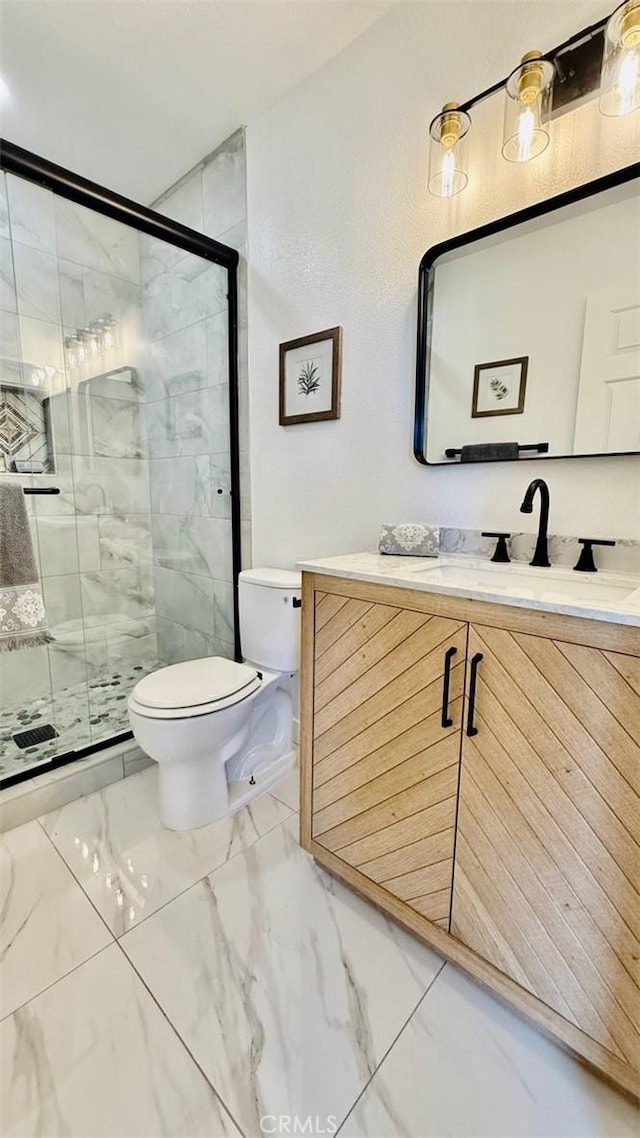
[[35, 735]]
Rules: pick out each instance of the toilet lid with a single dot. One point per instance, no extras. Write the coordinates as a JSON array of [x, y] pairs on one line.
[[194, 682]]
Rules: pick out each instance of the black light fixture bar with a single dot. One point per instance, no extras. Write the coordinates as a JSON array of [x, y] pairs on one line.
[[592, 35]]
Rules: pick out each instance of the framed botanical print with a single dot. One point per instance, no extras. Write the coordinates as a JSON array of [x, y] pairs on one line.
[[310, 378], [499, 388]]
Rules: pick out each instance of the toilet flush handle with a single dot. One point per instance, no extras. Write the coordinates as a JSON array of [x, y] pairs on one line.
[[297, 602]]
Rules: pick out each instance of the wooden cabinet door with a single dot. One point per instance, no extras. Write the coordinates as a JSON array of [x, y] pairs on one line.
[[548, 843], [385, 769]]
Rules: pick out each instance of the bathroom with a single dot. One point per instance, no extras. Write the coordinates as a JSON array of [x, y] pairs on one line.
[[249, 989]]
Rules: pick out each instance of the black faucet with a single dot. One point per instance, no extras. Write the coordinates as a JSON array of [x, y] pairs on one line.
[[541, 554]]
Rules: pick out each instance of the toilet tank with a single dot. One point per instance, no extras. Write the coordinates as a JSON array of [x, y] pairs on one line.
[[269, 618]]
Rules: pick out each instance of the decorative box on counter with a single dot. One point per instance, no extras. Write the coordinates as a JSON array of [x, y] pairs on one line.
[[410, 539]]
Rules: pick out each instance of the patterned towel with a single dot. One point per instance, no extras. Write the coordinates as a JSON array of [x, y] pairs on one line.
[[23, 622], [410, 540]]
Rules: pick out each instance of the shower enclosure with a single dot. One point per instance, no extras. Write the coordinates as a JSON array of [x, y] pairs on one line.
[[119, 417]]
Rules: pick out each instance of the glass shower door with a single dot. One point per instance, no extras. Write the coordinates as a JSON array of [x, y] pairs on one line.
[[34, 721], [114, 353]]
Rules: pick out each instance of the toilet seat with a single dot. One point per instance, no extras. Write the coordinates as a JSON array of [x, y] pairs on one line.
[[195, 687]]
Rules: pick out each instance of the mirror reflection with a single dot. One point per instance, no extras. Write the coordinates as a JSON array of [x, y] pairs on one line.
[[532, 336]]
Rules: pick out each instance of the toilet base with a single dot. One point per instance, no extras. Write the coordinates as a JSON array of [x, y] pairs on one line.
[[242, 791], [204, 795]]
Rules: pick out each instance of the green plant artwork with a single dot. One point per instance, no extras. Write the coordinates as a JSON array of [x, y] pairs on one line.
[[309, 378], [499, 389]]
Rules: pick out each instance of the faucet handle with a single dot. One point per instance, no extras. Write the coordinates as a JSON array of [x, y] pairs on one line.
[[501, 552], [585, 562]]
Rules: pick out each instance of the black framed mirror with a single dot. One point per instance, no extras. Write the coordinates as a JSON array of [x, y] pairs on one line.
[[529, 332]]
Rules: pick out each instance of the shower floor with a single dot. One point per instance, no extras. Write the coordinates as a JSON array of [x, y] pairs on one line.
[[82, 715]]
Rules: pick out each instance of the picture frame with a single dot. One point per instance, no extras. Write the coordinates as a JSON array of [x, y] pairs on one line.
[[310, 378], [499, 388]]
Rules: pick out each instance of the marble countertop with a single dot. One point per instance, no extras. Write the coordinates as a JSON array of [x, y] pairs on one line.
[[613, 597]]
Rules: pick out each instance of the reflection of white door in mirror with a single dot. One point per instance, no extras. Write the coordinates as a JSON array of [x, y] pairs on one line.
[[608, 408]]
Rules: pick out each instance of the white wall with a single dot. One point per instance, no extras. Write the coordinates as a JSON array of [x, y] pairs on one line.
[[339, 218]]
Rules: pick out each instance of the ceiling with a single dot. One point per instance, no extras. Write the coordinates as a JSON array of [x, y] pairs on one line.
[[132, 93]]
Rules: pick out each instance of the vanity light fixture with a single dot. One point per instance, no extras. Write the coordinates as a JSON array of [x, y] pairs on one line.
[[447, 151], [526, 108], [620, 80], [91, 341], [604, 56]]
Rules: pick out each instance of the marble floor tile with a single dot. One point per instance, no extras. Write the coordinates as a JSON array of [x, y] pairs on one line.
[[467, 1067], [129, 864], [48, 926], [52, 789], [93, 1057], [286, 987], [288, 789]]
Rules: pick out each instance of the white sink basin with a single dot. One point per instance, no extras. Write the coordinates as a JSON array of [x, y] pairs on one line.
[[561, 585]]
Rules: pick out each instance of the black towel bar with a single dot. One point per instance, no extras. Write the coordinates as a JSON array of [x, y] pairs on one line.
[[41, 489], [541, 448]]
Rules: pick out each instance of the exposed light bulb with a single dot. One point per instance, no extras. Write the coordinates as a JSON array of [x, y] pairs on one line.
[[526, 110], [108, 334], [627, 80], [448, 171], [620, 79], [526, 129]]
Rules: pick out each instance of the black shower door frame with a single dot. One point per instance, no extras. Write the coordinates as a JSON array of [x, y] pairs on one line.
[[24, 164]]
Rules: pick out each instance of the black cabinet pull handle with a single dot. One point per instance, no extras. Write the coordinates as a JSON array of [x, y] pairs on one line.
[[448, 656], [471, 729]]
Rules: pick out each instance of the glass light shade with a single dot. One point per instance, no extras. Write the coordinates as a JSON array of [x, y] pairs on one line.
[[447, 152], [107, 326], [526, 108], [620, 80], [71, 346], [81, 349], [94, 339]]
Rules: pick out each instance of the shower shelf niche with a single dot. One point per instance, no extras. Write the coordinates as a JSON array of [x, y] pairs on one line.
[[26, 438]]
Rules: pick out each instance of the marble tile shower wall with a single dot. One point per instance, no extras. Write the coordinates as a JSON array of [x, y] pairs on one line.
[[187, 408], [142, 524], [94, 540]]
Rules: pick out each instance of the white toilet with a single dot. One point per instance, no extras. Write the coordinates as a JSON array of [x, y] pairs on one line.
[[221, 732]]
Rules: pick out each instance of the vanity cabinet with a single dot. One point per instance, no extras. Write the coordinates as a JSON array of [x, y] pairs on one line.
[[385, 768], [474, 769], [547, 854]]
